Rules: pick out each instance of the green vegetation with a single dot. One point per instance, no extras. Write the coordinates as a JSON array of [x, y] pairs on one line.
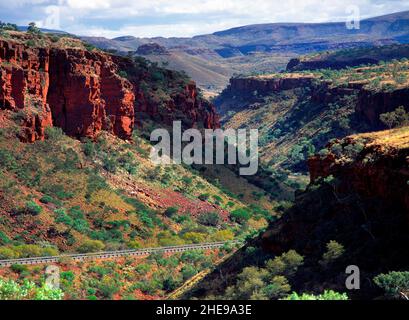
[[334, 251], [395, 119], [33, 29], [395, 284], [327, 295], [267, 283], [11, 290]]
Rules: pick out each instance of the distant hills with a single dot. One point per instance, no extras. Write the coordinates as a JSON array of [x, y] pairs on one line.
[[261, 47]]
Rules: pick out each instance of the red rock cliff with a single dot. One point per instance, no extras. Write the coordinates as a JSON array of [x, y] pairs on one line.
[[380, 170], [266, 85], [74, 89], [179, 100]]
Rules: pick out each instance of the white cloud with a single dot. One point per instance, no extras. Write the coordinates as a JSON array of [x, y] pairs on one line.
[[184, 18]]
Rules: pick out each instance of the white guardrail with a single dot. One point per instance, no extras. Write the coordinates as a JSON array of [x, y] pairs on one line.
[[114, 254]]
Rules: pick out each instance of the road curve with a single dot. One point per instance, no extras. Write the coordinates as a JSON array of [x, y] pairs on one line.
[[115, 254]]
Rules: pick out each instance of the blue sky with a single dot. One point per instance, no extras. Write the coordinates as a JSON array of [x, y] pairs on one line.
[[148, 18]]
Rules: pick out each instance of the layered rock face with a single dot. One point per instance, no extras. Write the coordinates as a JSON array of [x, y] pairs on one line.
[[24, 84], [181, 102], [86, 94], [300, 65], [265, 85], [74, 89]]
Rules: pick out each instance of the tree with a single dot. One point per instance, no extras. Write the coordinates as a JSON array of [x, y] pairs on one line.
[[334, 251], [287, 264], [241, 215], [8, 26], [278, 288], [209, 219], [397, 118], [249, 284], [394, 283], [33, 29]]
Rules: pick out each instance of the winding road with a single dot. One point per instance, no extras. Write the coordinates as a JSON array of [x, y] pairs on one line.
[[115, 254]]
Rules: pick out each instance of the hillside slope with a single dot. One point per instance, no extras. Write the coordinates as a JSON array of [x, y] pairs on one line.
[[298, 113], [357, 206]]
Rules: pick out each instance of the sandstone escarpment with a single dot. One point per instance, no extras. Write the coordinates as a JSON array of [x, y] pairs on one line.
[[380, 170], [74, 89], [173, 98], [86, 95], [268, 85], [24, 84], [301, 65]]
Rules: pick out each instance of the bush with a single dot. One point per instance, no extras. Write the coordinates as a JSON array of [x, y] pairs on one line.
[[4, 239], [91, 246], [18, 268], [171, 211], [209, 219], [188, 272], [11, 290], [223, 235], [240, 215], [194, 237], [287, 264], [393, 283], [46, 199], [33, 208], [334, 251], [327, 295], [397, 118]]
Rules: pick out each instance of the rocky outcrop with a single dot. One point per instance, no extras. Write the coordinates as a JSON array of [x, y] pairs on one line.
[[74, 89], [151, 49], [174, 99], [378, 171], [265, 85], [302, 65], [24, 84], [86, 94]]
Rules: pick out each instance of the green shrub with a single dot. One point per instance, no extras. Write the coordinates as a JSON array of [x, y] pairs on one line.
[[46, 199], [171, 211], [11, 290], [287, 264], [4, 239], [393, 283], [327, 295], [91, 246], [33, 208], [240, 215], [18, 268], [188, 272], [209, 219], [334, 251]]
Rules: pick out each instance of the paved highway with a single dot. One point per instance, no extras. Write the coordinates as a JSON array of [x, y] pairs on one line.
[[114, 254]]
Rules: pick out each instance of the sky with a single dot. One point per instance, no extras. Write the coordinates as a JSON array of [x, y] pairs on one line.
[[182, 18]]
